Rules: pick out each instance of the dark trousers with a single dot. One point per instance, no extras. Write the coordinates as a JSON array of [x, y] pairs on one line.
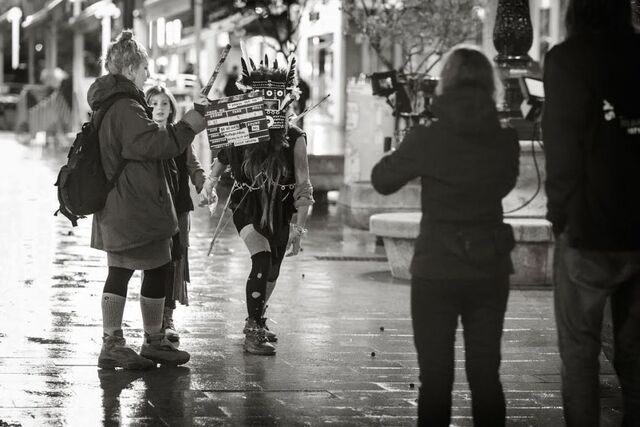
[[435, 308], [583, 280]]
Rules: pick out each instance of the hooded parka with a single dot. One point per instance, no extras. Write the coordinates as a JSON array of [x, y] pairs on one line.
[[467, 163], [139, 210]]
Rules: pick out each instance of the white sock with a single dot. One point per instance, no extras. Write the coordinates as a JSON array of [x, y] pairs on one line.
[[112, 311], [152, 312]]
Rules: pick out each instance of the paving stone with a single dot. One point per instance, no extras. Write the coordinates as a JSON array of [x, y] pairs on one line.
[[328, 323]]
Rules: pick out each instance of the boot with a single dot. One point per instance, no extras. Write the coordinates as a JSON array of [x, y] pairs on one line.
[[255, 341], [115, 354], [262, 323], [168, 326], [159, 349]]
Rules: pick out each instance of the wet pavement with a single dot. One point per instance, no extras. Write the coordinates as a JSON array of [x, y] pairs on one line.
[[345, 354]]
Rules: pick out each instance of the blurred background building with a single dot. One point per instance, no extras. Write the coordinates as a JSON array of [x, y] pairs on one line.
[[54, 46]]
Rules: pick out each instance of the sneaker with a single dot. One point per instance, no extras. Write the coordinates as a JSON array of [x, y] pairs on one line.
[[116, 354], [255, 340], [168, 326], [159, 349], [262, 323]]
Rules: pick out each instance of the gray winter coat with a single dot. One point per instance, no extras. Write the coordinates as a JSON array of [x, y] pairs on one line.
[[139, 209]]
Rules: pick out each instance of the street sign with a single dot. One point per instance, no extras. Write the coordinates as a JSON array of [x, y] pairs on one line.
[[237, 120]]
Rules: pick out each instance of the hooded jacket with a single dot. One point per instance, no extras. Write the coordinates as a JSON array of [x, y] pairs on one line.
[[139, 209], [467, 163]]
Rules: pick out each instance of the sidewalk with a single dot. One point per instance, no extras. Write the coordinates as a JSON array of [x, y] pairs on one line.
[[345, 352]]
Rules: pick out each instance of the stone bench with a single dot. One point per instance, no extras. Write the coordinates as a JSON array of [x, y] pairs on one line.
[[532, 256]]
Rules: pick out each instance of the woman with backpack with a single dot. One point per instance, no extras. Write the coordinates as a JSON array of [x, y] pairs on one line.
[[461, 266], [138, 220], [184, 167]]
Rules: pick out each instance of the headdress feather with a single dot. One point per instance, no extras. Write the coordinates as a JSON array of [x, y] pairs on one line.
[[291, 75], [245, 70], [253, 65]]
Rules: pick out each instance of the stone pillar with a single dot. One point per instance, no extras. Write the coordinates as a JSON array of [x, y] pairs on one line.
[[369, 121]]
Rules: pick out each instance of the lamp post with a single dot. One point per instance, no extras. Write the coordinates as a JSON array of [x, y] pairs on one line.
[[512, 38], [14, 15], [105, 13]]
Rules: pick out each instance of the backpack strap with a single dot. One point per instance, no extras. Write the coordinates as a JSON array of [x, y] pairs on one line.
[[97, 117]]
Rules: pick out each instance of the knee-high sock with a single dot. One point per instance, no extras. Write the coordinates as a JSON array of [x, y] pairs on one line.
[[257, 283], [270, 287], [112, 311], [152, 312]]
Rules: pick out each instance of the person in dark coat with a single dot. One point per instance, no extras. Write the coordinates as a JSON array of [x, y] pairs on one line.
[[591, 127], [230, 87], [138, 220], [460, 269]]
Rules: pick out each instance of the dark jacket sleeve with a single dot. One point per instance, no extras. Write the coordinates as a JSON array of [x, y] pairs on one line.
[[563, 125], [141, 137], [401, 166], [514, 158]]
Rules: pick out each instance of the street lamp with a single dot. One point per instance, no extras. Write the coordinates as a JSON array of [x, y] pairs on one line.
[[14, 15], [105, 12], [512, 38]]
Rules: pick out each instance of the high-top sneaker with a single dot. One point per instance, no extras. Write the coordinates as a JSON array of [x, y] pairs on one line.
[[168, 326], [255, 340], [158, 348], [271, 336], [116, 354], [262, 323]]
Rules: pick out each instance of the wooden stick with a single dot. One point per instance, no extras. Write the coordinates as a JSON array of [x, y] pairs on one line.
[[306, 110], [224, 210], [205, 90]]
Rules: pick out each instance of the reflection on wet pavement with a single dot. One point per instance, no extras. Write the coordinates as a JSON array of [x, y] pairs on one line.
[[345, 351]]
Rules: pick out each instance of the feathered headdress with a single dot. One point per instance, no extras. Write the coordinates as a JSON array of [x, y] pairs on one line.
[[279, 87]]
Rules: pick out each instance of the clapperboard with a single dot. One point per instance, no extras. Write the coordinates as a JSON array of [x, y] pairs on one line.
[[237, 120]]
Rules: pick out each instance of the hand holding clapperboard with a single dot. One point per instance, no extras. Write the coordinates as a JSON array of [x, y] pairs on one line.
[[236, 120], [232, 121]]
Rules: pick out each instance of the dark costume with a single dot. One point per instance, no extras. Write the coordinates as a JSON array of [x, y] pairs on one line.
[[461, 265], [266, 193], [279, 198], [591, 127]]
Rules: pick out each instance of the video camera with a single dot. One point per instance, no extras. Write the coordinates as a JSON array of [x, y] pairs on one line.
[[412, 93], [533, 93]]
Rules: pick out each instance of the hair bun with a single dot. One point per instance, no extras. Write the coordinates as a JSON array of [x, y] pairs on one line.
[[126, 35]]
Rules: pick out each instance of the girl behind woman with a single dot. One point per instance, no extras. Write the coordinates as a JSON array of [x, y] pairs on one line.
[[186, 166], [461, 265]]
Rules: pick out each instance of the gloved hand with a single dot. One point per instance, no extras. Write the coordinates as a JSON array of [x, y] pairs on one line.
[[295, 239], [200, 104], [199, 180], [195, 121]]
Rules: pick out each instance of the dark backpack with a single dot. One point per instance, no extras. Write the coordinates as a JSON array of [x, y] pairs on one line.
[[82, 184]]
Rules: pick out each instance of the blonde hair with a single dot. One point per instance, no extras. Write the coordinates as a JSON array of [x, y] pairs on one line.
[[467, 66], [124, 52], [161, 90]]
